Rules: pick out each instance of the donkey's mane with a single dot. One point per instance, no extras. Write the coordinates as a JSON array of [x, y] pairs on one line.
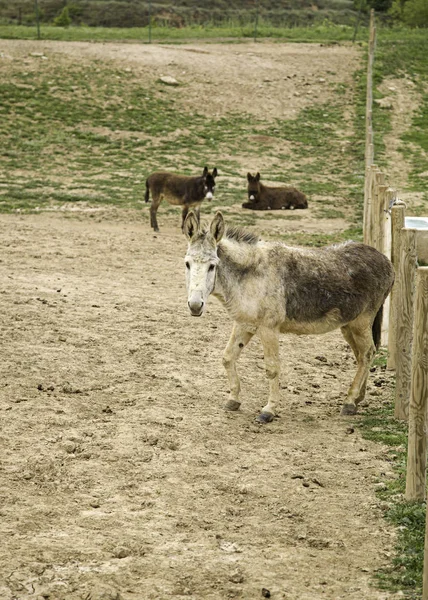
[[238, 234]]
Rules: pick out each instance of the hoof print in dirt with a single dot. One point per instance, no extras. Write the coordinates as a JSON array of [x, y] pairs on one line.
[[121, 552], [321, 359], [232, 405], [265, 417], [348, 409]]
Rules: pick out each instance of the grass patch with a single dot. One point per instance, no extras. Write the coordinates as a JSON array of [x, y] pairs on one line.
[[98, 131], [405, 57], [329, 213], [320, 32], [317, 240], [405, 572]]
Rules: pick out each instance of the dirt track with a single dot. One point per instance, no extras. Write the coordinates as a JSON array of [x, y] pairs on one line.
[[122, 476], [122, 472]]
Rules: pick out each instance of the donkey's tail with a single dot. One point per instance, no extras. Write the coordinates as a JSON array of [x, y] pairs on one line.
[[147, 195], [377, 327]]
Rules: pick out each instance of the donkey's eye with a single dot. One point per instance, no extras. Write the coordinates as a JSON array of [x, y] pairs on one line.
[[187, 265], [211, 268]]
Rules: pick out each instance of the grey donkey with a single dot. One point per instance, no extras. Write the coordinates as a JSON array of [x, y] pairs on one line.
[[269, 288]]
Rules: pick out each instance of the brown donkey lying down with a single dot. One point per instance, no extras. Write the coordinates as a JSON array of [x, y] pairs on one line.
[[269, 288], [180, 190], [262, 197]]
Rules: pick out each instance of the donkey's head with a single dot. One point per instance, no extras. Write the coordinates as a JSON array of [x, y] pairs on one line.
[[253, 187], [209, 182], [201, 260]]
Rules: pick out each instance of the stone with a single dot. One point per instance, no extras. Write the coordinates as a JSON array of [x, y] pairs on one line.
[[168, 80]]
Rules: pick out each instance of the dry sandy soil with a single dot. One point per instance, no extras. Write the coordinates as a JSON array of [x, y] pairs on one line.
[[122, 477]]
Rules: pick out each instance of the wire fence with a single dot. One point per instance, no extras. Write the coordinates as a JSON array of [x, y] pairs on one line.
[[254, 20]]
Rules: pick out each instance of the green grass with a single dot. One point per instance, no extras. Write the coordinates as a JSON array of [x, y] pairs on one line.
[[405, 572], [116, 130], [321, 239], [405, 56], [320, 32]]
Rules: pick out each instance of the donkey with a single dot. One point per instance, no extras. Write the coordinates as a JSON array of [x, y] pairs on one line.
[[269, 288], [179, 190], [262, 197]]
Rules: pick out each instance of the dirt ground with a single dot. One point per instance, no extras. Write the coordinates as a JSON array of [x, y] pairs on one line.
[[122, 477], [264, 79]]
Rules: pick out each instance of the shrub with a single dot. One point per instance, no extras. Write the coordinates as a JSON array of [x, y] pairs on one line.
[[415, 13], [63, 19]]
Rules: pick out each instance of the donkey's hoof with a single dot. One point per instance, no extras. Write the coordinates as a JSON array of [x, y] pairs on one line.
[[232, 405], [349, 409], [265, 417]]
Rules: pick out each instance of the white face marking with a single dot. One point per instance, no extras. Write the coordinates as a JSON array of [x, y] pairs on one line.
[[200, 279], [252, 197], [209, 195]]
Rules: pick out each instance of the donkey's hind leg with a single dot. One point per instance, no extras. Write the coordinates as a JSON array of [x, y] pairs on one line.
[[270, 343], [359, 336], [238, 340]]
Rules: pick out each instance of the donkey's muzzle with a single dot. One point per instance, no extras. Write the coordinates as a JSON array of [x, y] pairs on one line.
[[196, 308], [196, 304], [209, 195]]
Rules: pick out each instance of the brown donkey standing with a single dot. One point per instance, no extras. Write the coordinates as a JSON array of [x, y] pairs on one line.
[[269, 288], [262, 197], [179, 190]]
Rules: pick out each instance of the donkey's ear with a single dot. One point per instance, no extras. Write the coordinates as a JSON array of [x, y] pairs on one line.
[[215, 173], [258, 177], [217, 227], [205, 172], [190, 225], [249, 176]]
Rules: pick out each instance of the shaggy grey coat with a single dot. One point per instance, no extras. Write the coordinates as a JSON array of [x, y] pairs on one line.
[[270, 288]]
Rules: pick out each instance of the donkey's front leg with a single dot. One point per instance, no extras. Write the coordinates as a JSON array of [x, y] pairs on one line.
[[238, 340], [270, 343], [156, 200], [197, 211], [184, 212]]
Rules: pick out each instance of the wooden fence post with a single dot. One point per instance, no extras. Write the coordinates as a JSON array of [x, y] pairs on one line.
[[372, 183], [367, 205], [405, 303], [417, 443], [377, 205], [381, 216], [389, 197], [369, 148], [397, 224], [425, 583]]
